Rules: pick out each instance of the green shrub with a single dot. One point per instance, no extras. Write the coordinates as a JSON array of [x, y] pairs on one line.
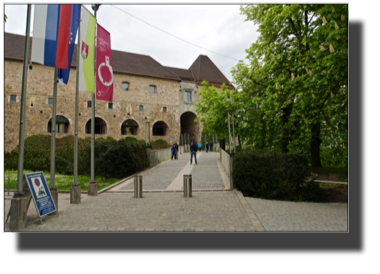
[[117, 159], [272, 175], [130, 139], [160, 144], [11, 160]]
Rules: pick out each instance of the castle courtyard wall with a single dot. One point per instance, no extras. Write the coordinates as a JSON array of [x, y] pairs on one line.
[[125, 104]]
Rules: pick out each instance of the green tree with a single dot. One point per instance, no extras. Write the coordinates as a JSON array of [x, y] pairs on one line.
[[294, 88], [212, 109]]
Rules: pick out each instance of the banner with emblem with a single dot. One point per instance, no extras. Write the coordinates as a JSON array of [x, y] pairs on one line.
[[104, 72], [87, 47]]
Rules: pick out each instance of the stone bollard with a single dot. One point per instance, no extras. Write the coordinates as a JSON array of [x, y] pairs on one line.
[[18, 213], [75, 195], [231, 162], [92, 189]]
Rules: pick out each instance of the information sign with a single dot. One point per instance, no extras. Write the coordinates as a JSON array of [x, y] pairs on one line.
[[40, 193]]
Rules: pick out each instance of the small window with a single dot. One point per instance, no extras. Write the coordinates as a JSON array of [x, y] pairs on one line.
[[125, 86], [164, 109], [152, 89], [188, 96], [13, 98], [140, 108], [110, 105], [89, 104], [50, 101]]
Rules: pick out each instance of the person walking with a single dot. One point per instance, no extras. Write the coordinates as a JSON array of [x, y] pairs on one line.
[[176, 148], [211, 146], [174, 152], [207, 147], [200, 146], [193, 152]]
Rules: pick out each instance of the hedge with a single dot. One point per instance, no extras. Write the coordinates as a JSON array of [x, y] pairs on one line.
[[117, 159], [273, 175]]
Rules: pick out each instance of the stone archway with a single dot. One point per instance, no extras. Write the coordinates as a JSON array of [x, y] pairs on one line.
[[189, 126], [100, 126], [62, 124], [129, 127], [160, 128]]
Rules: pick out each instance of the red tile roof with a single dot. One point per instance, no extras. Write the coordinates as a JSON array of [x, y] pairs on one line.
[[123, 62], [204, 69], [131, 63]]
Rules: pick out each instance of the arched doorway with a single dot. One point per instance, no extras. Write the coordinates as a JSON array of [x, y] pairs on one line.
[[100, 126], [189, 127], [160, 128], [61, 124], [129, 127]]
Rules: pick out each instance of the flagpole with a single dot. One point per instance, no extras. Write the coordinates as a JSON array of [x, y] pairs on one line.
[[75, 191], [53, 125], [20, 173], [92, 189], [18, 210], [76, 112]]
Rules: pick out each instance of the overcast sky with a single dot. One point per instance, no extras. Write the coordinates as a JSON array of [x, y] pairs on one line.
[[217, 28]]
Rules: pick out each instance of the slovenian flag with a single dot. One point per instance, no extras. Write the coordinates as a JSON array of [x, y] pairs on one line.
[[63, 74], [51, 35]]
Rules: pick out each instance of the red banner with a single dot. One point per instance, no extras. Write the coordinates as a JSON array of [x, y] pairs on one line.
[[104, 72]]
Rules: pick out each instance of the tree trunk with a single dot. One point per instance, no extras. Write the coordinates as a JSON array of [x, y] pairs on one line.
[[239, 141], [315, 145], [286, 139]]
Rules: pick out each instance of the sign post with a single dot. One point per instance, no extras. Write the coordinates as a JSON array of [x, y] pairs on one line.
[[41, 194]]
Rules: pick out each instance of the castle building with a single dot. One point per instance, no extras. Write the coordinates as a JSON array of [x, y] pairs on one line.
[[147, 97]]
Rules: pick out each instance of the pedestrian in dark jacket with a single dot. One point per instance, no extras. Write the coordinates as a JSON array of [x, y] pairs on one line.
[[193, 152], [211, 146], [174, 152], [207, 147], [176, 147]]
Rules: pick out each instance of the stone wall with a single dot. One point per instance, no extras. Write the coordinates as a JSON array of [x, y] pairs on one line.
[[125, 104], [184, 107]]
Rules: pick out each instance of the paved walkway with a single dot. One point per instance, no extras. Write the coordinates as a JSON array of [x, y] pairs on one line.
[[213, 206]]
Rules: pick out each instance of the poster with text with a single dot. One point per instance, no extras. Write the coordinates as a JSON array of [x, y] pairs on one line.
[[104, 72], [40, 193]]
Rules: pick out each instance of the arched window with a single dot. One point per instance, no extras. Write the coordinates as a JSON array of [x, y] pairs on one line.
[[61, 124], [100, 126], [160, 129], [129, 127]]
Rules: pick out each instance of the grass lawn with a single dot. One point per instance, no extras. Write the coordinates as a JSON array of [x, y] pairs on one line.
[[62, 182]]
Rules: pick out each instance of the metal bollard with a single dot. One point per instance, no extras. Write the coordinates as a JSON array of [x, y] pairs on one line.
[[138, 186], [187, 186]]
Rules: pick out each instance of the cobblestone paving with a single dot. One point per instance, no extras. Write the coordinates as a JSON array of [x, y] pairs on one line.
[[32, 215], [205, 211], [206, 174], [155, 212], [162, 176], [292, 216]]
